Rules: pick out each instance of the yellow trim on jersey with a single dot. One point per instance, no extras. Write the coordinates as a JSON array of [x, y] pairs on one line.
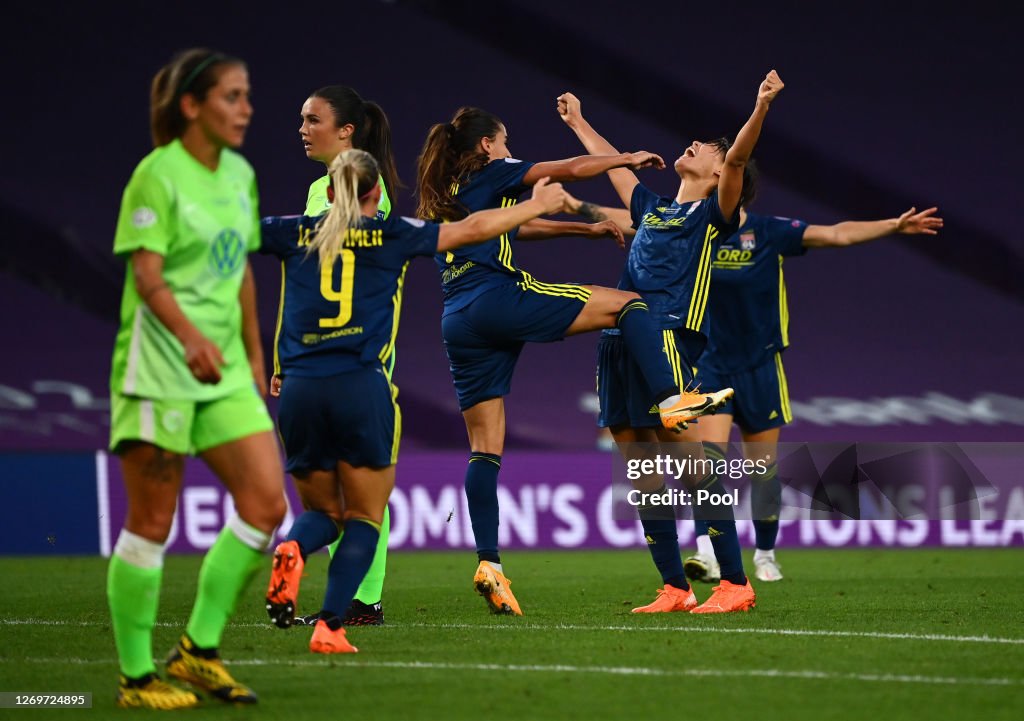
[[787, 412], [396, 302], [562, 290], [674, 360], [702, 283], [783, 307], [277, 328], [397, 438], [505, 245]]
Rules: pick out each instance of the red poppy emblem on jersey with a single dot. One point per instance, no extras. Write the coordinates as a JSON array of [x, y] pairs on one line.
[[747, 240]]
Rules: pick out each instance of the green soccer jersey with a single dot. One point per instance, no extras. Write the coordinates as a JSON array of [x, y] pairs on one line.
[[316, 199], [204, 223]]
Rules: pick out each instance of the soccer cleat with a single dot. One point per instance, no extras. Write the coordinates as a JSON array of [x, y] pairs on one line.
[[283, 591], [703, 568], [327, 641], [692, 405], [491, 583], [363, 614], [767, 569], [308, 620], [728, 597], [670, 599], [151, 691], [204, 669]]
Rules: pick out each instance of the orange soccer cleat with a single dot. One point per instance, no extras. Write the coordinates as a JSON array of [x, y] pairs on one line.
[[728, 597], [692, 405], [327, 641], [496, 590], [670, 599], [283, 591]]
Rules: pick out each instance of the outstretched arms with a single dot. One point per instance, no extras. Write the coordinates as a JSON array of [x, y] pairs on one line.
[[624, 180], [730, 184], [589, 166], [541, 229], [851, 232]]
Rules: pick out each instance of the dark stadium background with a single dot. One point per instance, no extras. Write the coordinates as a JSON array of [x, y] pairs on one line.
[[887, 105]]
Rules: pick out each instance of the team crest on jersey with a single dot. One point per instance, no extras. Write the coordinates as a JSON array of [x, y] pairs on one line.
[[747, 240], [143, 217], [227, 253]]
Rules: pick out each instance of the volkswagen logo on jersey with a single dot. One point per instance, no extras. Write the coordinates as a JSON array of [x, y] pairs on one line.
[[747, 240], [227, 253]]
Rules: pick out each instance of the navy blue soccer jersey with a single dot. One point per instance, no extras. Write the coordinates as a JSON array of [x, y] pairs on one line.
[[669, 261], [749, 314], [470, 271], [343, 316]]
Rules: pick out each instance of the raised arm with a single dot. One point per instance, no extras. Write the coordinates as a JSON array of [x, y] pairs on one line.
[[202, 356], [623, 180], [730, 184], [542, 229], [485, 224], [620, 217], [589, 166], [851, 232]]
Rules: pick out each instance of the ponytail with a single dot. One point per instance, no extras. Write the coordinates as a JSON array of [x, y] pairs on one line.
[[450, 153], [376, 140], [353, 174]]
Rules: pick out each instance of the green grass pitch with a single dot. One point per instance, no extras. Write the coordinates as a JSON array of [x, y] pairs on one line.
[[849, 634]]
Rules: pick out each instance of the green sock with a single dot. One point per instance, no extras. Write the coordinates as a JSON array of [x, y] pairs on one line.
[[133, 594], [227, 569], [371, 590]]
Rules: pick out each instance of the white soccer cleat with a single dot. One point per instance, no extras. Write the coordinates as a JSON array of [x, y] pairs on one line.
[[703, 568], [767, 569]]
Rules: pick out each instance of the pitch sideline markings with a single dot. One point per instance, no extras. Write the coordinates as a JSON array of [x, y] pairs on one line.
[[606, 670], [573, 627]]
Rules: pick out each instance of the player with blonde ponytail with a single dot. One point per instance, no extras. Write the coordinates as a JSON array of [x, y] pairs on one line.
[[338, 417]]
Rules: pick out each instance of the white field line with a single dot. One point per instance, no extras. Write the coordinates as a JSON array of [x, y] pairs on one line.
[[808, 675], [575, 628]]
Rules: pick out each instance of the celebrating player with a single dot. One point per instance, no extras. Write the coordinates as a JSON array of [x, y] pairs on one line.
[[750, 321], [669, 265], [335, 119], [492, 307], [338, 418]]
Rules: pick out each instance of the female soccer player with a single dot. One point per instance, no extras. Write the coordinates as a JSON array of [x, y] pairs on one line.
[[335, 119], [338, 417], [491, 308], [669, 264], [750, 318], [182, 377]]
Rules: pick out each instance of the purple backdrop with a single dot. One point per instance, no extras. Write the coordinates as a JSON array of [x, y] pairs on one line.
[[889, 342]]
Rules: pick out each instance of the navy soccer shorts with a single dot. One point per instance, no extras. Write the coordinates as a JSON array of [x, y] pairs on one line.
[[484, 339], [761, 401], [626, 398], [351, 417]]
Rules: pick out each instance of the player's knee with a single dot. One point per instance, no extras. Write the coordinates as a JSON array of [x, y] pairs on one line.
[[153, 524]]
